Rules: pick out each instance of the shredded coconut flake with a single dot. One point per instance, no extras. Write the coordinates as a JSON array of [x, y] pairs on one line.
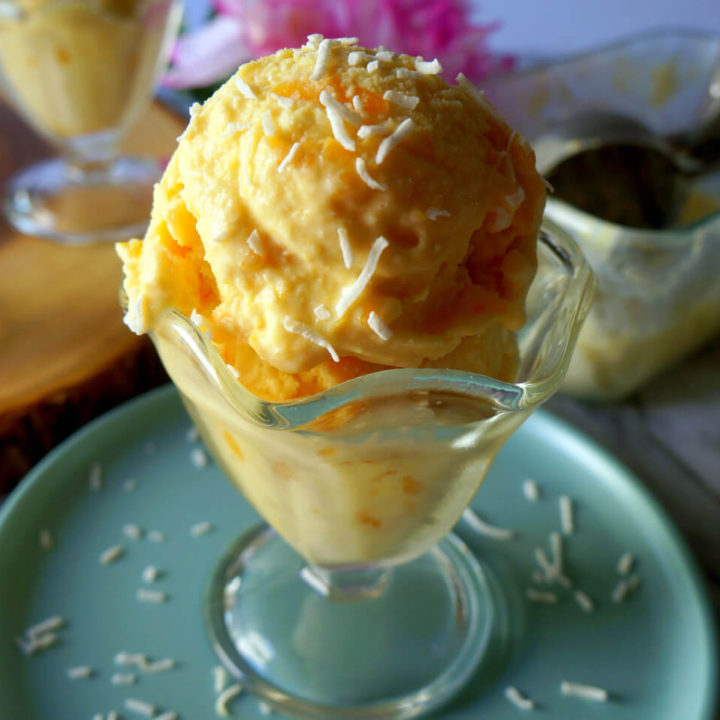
[[402, 131], [225, 697], [219, 678], [45, 539], [201, 528], [348, 115], [357, 103], [356, 57], [156, 536], [584, 601], [255, 244], [282, 101], [233, 128], [321, 312], [152, 596], [150, 574], [477, 95], [44, 641], [95, 477], [126, 658], [199, 458], [624, 588], [140, 707], [345, 247], [314, 40], [169, 715], [518, 699], [428, 68], [547, 567], [298, 328], [322, 59], [81, 672], [556, 544], [288, 158], [543, 597], [625, 563], [485, 528], [384, 55], [404, 73], [378, 326], [531, 490], [586, 692], [123, 679], [352, 293], [373, 66], [339, 131], [567, 520], [365, 131], [160, 665], [132, 531], [409, 102], [245, 90], [112, 554], [267, 123], [362, 171], [434, 213]]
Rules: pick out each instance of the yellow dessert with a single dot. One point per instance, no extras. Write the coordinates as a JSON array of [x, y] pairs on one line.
[[82, 66], [327, 218], [329, 212]]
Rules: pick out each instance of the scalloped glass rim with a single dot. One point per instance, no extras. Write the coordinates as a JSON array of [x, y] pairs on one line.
[[541, 382]]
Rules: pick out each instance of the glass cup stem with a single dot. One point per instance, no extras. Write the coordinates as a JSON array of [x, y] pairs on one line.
[[346, 584]]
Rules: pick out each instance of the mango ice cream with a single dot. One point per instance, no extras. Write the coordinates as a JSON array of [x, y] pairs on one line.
[[334, 210], [329, 212]]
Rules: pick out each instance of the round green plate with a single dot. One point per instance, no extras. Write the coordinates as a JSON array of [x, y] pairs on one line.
[[655, 652]]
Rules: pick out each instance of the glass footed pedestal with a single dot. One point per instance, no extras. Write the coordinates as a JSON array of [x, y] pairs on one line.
[[363, 605], [380, 642], [76, 203]]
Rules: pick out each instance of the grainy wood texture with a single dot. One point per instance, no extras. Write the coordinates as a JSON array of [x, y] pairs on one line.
[[65, 355]]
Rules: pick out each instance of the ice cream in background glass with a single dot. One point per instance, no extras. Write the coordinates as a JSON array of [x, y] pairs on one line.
[[79, 72], [346, 279]]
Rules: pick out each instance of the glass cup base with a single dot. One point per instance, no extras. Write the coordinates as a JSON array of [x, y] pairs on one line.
[[73, 204], [395, 643]]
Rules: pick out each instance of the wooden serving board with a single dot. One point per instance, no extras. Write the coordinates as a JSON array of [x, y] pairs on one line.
[[65, 354]]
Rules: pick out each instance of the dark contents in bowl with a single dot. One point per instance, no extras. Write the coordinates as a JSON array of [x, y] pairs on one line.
[[626, 184]]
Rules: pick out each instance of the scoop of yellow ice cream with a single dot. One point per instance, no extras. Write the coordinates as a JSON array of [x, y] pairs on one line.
[[333, 210]]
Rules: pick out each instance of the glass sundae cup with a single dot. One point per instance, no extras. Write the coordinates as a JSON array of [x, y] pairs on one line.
[[80, 72], [356, 600]]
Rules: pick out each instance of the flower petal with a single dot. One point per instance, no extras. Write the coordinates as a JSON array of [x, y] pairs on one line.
[[208, 54]]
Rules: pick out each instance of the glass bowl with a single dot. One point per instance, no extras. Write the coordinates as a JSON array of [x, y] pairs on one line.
[[368, 607], [658, 294]]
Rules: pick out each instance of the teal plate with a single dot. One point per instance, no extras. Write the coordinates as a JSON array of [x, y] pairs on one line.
[[655, 652]]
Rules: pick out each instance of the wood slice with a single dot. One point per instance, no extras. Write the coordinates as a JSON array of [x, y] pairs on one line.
[[65, 354]]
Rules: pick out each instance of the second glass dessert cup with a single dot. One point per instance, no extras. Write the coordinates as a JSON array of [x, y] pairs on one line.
[[80, 72], [357, 601]]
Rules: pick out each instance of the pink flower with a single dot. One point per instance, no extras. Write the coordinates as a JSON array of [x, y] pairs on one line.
[[244, 29]]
